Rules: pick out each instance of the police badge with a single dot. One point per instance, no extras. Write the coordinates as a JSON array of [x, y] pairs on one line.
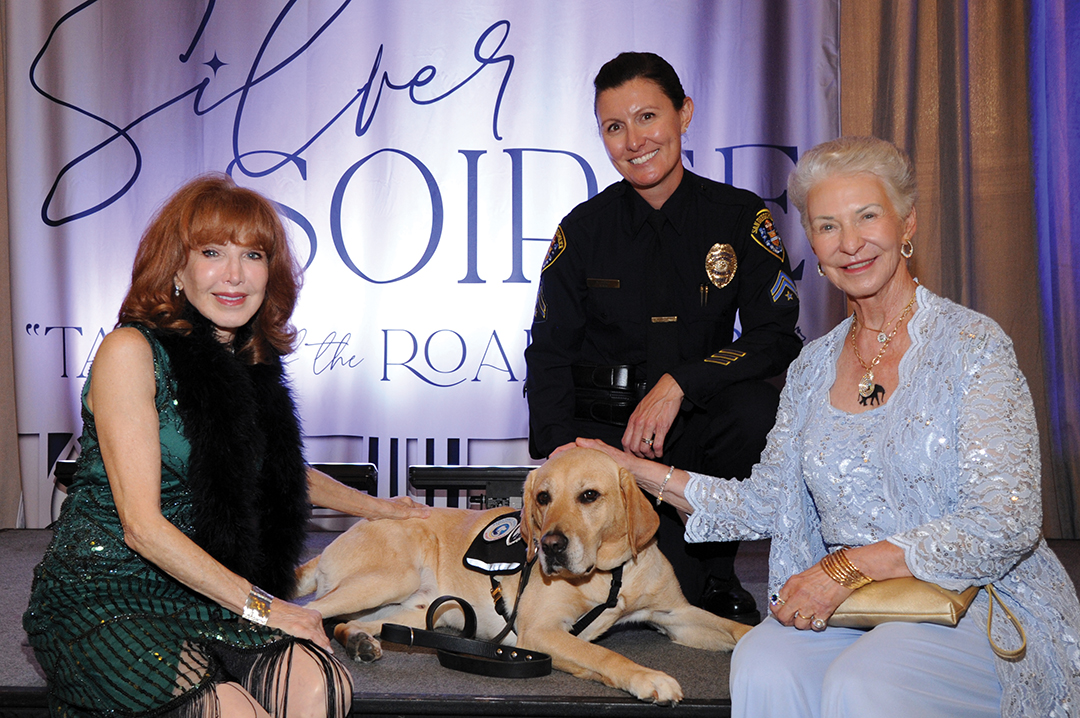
[[720, 265]]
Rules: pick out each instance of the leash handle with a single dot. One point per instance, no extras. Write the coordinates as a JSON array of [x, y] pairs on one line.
[[468, 630], [466, 653]]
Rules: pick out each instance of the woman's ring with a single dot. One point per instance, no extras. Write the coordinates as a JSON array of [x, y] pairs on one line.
[[798, 615], [818, 624], [775, 600], [648, 442]]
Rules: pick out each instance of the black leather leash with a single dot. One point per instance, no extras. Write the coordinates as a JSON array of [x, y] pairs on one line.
[[491, 658], [467, 654], [500, 604]]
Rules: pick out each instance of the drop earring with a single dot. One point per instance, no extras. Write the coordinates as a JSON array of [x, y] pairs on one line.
[[907, 249], [176, 290]]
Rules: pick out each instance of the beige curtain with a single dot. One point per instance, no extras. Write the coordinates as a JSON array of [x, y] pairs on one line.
[[947, 81], [10, 485]]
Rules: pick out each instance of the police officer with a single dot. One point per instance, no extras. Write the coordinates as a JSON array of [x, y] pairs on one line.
[[633, 332]]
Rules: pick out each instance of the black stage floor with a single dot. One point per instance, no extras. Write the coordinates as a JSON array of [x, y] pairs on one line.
[[410, 682]]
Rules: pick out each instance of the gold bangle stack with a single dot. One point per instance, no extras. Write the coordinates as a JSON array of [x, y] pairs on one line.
[[257, 607], [840, 569]]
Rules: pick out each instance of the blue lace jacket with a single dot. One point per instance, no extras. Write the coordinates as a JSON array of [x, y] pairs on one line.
[[962, 475]]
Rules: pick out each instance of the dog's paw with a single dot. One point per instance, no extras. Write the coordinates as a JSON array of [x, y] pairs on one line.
[[363, 647], [655, 687], [739, 630]]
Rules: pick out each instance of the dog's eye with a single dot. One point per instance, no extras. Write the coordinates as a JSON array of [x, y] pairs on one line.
[[588, 496], [543, 498]]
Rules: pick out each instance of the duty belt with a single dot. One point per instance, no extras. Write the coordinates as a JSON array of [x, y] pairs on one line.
[[606, 394]]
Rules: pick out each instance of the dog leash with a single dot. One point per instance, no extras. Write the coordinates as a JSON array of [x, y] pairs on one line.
[[491, 658], [465, 653], [500, 603]]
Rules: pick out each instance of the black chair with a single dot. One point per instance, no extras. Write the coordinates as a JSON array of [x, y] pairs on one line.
[[501, 484], [360, 476]]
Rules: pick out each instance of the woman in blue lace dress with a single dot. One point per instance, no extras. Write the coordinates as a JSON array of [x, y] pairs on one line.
[[905, 445], [164, 589]]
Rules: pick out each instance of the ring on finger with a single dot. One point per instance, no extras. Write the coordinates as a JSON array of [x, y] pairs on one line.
[[647, 442], [818, 624], [798, 615], [775, 600]]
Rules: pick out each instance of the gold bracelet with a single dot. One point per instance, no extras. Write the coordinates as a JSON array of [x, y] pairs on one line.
[[839, 568], [838, 571], [257, 606], [660, 494], [860, 578]]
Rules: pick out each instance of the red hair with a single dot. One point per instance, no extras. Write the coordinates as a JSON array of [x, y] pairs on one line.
[[212, 209]]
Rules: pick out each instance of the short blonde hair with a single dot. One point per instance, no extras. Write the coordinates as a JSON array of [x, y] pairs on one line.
[[850, 156]]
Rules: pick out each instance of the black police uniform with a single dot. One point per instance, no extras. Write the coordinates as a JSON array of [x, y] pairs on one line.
[[628, 293]]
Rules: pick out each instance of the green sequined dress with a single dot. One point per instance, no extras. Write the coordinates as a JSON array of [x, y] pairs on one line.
[[114, 634]]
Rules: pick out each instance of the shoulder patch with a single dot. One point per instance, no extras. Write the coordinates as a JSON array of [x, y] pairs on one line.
[[783, 289], [555, 249], [764, 233], [558, 244]]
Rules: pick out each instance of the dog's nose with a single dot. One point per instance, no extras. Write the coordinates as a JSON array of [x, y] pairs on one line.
[[554, 544]]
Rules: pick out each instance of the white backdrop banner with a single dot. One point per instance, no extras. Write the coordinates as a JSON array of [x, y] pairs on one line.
[[423, 153]]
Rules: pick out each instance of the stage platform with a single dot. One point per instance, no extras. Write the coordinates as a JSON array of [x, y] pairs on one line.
[[410, 682]]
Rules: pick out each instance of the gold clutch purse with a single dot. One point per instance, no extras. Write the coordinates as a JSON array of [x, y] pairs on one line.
[[903, 599], [915, 601]]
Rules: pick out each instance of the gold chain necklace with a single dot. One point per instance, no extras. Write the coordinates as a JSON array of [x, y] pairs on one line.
[[867, 387], [882, 337]]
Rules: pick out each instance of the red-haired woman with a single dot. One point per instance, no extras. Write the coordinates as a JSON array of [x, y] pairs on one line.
[[186, 516]]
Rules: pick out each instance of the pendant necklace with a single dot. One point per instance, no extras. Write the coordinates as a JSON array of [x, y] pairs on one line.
[[882, 337], [867, 387]]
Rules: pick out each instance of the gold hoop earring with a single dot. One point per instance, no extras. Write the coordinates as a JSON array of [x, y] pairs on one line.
[[819, 271], [907, 249]]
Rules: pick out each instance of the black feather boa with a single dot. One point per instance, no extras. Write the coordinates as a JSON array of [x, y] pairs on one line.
[[246, 468]]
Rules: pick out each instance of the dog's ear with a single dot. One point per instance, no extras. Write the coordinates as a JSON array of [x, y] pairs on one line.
[[530, 521], [641, 520]]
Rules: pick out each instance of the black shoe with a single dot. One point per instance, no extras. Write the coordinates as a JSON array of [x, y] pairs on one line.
[[728, 599]]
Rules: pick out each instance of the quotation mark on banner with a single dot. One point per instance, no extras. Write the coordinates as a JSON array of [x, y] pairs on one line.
[[35, 327]]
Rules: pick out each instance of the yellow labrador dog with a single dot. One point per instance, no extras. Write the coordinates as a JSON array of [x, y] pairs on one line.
[[584, 516]]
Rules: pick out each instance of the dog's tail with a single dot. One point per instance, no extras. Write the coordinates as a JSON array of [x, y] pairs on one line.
[[305, 578]]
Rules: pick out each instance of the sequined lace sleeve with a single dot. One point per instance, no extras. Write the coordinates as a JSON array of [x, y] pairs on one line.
[[980, 501], [774, 501], [727, 509]]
